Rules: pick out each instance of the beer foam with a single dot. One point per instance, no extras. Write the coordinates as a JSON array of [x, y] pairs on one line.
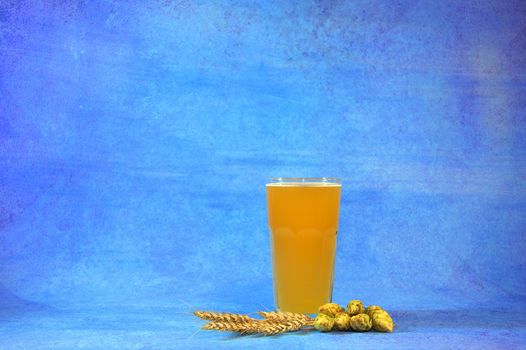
[[307, 184]]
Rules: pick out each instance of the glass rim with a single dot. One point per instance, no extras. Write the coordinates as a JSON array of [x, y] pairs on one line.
[[330, 180]]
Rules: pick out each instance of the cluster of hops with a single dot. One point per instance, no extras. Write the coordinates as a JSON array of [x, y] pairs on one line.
[[356, 317]]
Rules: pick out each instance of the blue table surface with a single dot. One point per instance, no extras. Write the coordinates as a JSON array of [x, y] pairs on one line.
[[174, 327]]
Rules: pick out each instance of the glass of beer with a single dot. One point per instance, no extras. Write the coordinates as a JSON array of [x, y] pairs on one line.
[[303, 219]]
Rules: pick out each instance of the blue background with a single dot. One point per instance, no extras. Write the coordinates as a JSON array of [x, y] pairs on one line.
[[136, 139]]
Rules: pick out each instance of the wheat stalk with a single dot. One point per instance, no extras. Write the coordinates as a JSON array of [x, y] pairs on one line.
[[272, 322]]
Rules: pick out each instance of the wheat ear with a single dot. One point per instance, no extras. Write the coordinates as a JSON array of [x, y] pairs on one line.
[[256, 326], [287, 316], [272, 328], [223, 317], [242, 328]]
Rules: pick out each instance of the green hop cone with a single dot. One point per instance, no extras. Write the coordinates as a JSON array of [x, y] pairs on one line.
[[342, 321], [361, 323], [372, 308], [355, 307], [323, 323], [330, 309], [382, 322]]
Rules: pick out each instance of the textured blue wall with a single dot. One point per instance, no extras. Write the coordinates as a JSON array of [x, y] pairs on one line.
[[136, 139]]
